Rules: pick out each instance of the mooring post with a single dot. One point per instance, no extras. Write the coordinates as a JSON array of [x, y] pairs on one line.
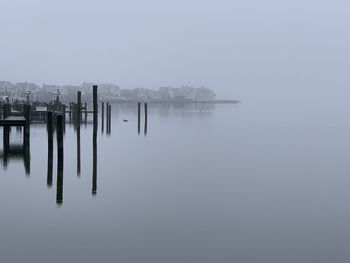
[[109, 118], [64, 117], [26, 132], [74, 113], [60, 158], [86, 113], [79, 108], [145, 132], [95, 106], [139, 117], [70, 112], [102, 115], [49, 148]]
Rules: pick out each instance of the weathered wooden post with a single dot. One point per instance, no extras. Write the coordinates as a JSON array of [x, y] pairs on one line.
[[102, 115], [145, 132], [74, 113], [79, 108], [6, 129], [109, 118], [6, 142], [95, 107], [70, 112], [139, 117], [26, 132], [86, 113], [64, 117], [49, 148], [60, 158]]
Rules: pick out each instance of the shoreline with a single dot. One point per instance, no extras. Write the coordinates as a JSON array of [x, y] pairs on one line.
[[174, 101]]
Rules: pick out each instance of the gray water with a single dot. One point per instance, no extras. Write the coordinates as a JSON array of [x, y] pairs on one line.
[[208, 183]]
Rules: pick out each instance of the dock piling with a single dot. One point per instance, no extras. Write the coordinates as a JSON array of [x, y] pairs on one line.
[[60, 159], [50, 148], [139, 117], [146, 119]]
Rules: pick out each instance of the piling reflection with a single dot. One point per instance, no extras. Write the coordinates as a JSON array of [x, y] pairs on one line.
[[94, 165], [78, 151], [15, 152], [94, 143]]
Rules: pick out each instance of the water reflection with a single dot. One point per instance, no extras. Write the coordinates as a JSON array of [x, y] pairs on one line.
[[78, 151], [131, 111], [94, 165], [15, 152]]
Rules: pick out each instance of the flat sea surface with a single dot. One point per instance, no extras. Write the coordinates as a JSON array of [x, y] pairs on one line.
[[218, 183]]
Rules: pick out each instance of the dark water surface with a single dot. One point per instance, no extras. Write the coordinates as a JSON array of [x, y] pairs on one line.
[[222, 183]]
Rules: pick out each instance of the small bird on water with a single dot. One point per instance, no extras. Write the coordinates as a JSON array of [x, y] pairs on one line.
[[125, 120]]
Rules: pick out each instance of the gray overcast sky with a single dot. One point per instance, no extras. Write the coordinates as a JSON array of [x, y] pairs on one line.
[[237, 48]]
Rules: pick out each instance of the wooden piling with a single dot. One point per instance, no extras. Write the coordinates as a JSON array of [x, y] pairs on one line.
[[139, 117], [95, 107], [146, 118], [78, 108], [50, 148], [26, 130], [60, 159], [102, 115], [70, 112], [109, 118], [86, 113]]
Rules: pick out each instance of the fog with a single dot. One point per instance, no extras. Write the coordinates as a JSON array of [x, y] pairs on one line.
[[250, 50]]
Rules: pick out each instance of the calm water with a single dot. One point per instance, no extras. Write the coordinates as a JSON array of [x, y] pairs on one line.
[[224, 183]]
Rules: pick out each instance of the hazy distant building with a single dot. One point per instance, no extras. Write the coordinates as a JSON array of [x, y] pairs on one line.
[[166, 93], [204, 94], [68, 93]]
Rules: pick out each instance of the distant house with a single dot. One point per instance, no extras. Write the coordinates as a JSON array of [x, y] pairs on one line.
[[166, 93], [204, 94]]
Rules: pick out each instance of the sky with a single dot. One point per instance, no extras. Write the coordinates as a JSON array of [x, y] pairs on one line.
[[240, 49]]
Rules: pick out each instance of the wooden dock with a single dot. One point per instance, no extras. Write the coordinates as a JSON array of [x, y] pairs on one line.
[[17, 121]]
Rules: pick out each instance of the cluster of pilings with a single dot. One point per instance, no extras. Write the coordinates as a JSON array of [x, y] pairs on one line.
[[57, 124], [16, 151], [54, 115]]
